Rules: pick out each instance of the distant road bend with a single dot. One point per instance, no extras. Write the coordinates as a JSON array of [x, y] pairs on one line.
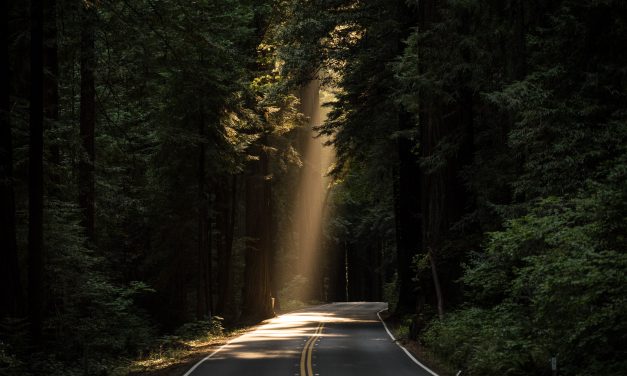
[[338, 339]]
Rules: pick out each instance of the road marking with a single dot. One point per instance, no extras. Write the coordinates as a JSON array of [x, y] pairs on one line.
[[242, 336], [401, 346], [306, 368], [208, 357], [303, 358]]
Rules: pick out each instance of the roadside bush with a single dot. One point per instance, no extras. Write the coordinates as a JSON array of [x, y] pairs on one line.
[[390, 293], [209, 327], [483, 342], [550, 284]]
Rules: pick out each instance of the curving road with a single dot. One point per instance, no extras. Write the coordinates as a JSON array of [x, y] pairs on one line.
[[338, 339]]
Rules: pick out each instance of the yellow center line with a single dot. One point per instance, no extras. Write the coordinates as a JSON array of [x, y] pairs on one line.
[[310, 351], [306, 355]]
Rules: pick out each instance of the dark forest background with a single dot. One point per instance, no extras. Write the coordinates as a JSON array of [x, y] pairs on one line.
[[149, 151]]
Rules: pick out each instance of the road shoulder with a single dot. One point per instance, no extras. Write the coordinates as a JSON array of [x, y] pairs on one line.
[[421, 354], [177, 361]]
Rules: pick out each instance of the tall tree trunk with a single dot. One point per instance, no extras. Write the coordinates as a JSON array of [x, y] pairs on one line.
[[226, 200], [86, 178], [433, 204], [337, 271], [10, 283], [445, 197], [272, 227], [407, 188], [209, 274], [408, 217], [203, 288], [432, 184], [35, 171], [379, 270], [257, 304], [436, 284], [51, 87]]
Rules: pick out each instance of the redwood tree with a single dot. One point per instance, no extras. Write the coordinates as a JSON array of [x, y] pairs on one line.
[[226, 202], [87, 118], [257, 304], [35, 170], [10, 285]]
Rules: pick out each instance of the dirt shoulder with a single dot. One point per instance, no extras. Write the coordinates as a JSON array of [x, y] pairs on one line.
[[176, 360]]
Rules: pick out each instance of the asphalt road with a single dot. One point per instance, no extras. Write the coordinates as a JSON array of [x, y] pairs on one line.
[[329, 340]]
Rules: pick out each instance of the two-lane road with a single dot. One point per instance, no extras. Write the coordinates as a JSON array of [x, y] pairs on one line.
[[339, 339]]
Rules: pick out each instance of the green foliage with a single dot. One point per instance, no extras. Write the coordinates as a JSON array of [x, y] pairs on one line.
[[194, 75], [96, 319], [549, 133], [570, 113], [182, 84], [9, 362], [486, 342], [551, 284], [210, 327], [390, 292], [531, 94]]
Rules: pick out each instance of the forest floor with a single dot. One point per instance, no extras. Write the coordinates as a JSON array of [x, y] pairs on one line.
[[426, 357]]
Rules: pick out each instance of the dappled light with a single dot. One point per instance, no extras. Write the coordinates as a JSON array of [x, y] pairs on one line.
[[299, 327]]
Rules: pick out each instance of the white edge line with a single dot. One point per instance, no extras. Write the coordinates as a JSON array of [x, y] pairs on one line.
[[208, 357], [401, 346], [201, 361]]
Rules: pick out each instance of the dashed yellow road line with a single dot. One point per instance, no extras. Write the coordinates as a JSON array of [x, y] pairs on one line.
[[306, 367]]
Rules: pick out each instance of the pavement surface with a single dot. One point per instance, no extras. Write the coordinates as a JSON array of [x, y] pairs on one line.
[[338, 339]]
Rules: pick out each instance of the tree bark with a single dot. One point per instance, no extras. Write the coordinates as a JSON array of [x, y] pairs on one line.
[[87, 120], [226, 201], [10, 283], [436, 284], [444, 195], [203, 288], [257, 304], [35, 170], [51, 88], [407, 189], [272, 227], [432, 188], [338, 287], [408, 218], [433, 203]]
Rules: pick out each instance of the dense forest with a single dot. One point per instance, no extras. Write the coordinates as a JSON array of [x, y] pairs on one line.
[[199, 164]]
